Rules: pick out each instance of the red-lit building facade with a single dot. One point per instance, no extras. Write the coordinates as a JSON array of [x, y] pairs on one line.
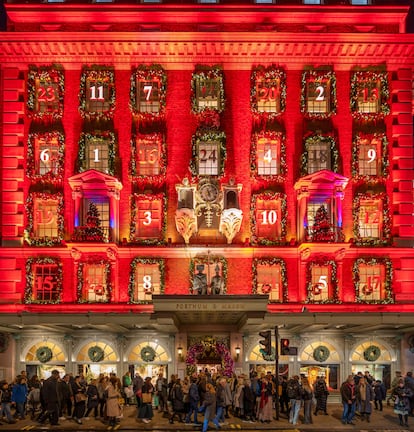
[[177, 178]]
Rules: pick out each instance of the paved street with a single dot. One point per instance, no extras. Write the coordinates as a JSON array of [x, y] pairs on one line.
[[380, 422]]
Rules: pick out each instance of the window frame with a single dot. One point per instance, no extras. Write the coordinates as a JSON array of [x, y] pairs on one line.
[[332, 282], [283, 283], [108, 284]]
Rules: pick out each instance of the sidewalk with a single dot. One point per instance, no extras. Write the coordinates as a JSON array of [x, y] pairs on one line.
[[385, 420]]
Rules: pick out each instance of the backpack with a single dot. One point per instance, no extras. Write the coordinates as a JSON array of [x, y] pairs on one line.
[[292, 389]]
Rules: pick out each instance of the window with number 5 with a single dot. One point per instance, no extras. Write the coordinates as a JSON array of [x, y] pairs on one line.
[[147, 279], [148, 218], [322, 282]]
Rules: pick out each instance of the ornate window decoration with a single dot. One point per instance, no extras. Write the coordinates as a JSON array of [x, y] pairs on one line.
[[207, 94], [205, 271], [148, 158], [320, 153], [322, 282], [270, 278], [372, 219], [45, 156], [369, 95], [147, 277], [148, 218], [268, 216], [45, 219], [96, 353], [318, 96], [97, 151], [208, 153], [161, 354], [373, 280], [97, 93], [44, 280], [94, 281], [267, 91], [148, 92], [321, 353], [268, 155], [46, 85], [370, 157]]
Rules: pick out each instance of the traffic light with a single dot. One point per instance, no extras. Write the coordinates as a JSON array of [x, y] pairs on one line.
[[266, 342], [284, 346]]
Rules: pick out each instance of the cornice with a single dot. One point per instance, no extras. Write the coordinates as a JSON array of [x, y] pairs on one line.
[[181, 50]]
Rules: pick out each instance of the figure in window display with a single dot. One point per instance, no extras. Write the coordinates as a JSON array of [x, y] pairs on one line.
[[217, 283], [200, 281]]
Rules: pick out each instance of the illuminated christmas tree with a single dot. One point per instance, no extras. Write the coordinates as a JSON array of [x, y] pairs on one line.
[[322, 228]]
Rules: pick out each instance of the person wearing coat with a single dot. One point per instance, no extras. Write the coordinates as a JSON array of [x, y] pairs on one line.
[[79, 394], [49, 393], [113, 391], [145, 411], [93, 399], [19, 396], [365, 395], [380, 394], [264, 407], [402, 396], [321, 395], [177, 401], [209, 407]]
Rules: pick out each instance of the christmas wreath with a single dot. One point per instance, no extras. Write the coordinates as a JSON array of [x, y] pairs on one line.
[[148, 354], [372, 353], [44, 354], [321, 353], [96, 353]]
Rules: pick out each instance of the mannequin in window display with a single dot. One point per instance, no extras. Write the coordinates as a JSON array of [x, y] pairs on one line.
[[200, 281], [217, 283]]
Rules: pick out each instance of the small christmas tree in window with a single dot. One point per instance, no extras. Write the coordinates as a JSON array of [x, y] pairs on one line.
[[322, 228], [93, 230]]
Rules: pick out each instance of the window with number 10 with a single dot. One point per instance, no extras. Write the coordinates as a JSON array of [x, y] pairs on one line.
[[268, 219]]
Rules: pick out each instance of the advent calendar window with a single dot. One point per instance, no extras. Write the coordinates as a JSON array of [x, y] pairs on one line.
[[321, 281], [147, 218], [370, 156], [97, 151], [370, 218], [368, 96], [268, 154], [318, 154], [269, 277], [148, 95], [45, 156], [44, 280], [373, 279], [207, 89], [100, 220], [94, 284], [208, 157], [45, 217], [146, 280], [318, 99], [148, 154], [268, 217]]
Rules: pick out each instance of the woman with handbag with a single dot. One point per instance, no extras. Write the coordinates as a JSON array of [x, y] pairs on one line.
[[402, 396], [113, 391], [79, 394], [145, 411]]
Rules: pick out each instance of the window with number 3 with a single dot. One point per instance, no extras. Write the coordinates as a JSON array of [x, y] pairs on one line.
[[146, 279], [147, 218]]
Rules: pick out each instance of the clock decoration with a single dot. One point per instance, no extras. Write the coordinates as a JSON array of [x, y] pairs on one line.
[[270, 261], [30, 278], [138, 261], [318, 96], [207, 95], [385, 237], [369, 98], [45, 85], [386, 282], [208, 192], [267, 92], [314, 289], [148, 93], [372, 157], [97, 93]]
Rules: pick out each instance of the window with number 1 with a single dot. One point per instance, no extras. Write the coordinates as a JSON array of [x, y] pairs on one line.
[[268, 155]]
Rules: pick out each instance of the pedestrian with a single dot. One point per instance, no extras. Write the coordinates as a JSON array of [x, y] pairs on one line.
[[137, 384], [209, 407], [33, 400], [113, 393], [348, 396], [380, 393], [66, 397], [145, 411], [238, 397], [284, 400], [409, 383], [321, 395], [101, 387], [220, 401], [161, 387], [402, 396], [307, 397], [365, 395], [5, 399], [193, 400], [265, 406], [79, 395], [248, 400], [93, 399], [177, 401], [19, 396], [50, 395], [394, 383], [127, 387], [185, 385], [294, 393]]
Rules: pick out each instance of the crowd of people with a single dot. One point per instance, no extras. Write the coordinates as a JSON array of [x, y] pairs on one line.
[[198, 399]]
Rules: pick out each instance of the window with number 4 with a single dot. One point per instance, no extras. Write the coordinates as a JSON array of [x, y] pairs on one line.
[[146, 280], [321, 285], [269, 147], [147, 218]]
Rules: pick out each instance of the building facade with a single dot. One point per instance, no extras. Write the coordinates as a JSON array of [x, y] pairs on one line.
[[179, 177]]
